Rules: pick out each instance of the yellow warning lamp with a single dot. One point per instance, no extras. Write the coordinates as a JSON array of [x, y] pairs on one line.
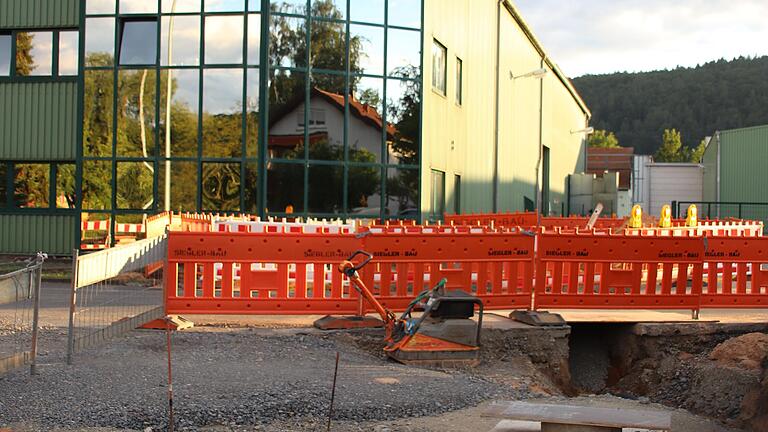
[[665, 220], [636, 217], [692, 219]]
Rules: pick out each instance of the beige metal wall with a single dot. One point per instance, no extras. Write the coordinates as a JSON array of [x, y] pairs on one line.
[[460, 139]]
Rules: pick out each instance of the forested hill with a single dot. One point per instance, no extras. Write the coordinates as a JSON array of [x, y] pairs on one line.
[[696, 101]]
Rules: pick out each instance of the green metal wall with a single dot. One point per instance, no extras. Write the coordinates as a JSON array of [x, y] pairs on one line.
[[709, 160], [38, 121], [743, 162], [39, 13], [26, 233]]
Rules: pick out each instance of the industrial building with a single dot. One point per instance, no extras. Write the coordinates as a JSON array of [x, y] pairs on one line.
[[391, 109], [734, 174]]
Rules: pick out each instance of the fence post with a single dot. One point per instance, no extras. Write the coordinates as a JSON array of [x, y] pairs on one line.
[[72, 300], [36, 312], [675, 209]]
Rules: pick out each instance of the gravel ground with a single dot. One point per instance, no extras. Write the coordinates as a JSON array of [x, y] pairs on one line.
[[239, 377]]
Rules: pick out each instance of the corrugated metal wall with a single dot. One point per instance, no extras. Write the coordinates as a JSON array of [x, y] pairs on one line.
[[743, 158], [673, 182], [27, 234], [38, 121], [39, 13]]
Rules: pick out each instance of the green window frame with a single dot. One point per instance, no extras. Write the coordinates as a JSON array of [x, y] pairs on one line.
[[56, 183], [253, 160], [57, 73]]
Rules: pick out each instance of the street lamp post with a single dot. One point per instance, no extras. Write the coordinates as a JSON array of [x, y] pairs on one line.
[[168, 90]]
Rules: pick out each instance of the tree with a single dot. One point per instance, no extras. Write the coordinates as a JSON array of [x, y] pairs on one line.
[[25, 62], [698, 153], [697, 101], [671, 147], [603, 139], [370, 97]]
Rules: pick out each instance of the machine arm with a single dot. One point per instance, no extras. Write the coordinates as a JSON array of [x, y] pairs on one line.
[[350, 269]]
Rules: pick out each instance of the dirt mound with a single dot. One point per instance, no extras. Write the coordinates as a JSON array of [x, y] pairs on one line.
[[748, 351]]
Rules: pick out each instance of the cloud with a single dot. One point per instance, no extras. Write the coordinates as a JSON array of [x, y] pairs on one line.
[[604, 36]]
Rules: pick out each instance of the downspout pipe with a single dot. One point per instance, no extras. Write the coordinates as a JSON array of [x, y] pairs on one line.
[[717, 188], [496, 114]]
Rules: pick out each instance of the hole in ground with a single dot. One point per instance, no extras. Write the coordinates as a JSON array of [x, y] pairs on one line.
[[595, 359]]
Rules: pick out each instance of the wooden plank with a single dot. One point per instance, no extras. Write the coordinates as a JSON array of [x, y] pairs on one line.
[[580, 415]]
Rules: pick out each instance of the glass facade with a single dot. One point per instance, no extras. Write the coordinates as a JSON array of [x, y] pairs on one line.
[[291, 107]]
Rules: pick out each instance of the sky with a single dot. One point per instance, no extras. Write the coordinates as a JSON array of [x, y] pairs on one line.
[[605, 36]]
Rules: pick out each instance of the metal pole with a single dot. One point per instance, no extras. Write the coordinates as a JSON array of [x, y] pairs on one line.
[[333, 393], [168, 90], [36, 313], [72, 300], [170, 376], [495, 200]]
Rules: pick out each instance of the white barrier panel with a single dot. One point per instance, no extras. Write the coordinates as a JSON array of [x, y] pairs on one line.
[[270, 225], [98, 266]]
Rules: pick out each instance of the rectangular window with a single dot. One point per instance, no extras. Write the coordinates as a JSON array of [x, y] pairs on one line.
[[316, 117], [459, 76], [438, 195], [138, 42], [5, 54], [31, 185], [456, 194], [65, 185], [34, 53], [68, 49], [438, 67], [3, 182]]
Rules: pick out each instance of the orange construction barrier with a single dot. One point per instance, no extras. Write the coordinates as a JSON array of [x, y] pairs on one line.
[[292, 272], [261, 273], [599, 271], [735, 273], [496, 266]]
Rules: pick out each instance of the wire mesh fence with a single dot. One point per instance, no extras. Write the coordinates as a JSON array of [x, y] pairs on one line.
[[113, 292], [19, 313]]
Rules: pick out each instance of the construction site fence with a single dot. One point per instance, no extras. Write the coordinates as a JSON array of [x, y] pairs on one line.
[[19, 315], [725, 210], [114, 291], [296, 273], [98, 234]]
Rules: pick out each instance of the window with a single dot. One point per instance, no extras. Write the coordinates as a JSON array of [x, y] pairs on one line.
[[456, 194], [438, 195], [3, 182], [68, 44], [459, 76], [438, 67], [138, 42], [34, 53], [31, 185], [5, 54], [316, 117]]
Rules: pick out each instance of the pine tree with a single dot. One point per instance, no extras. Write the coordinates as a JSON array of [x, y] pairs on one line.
[[603, 139], [671, 147]]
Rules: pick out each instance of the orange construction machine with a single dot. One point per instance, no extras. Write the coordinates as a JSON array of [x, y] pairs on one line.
[[444, 334]]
